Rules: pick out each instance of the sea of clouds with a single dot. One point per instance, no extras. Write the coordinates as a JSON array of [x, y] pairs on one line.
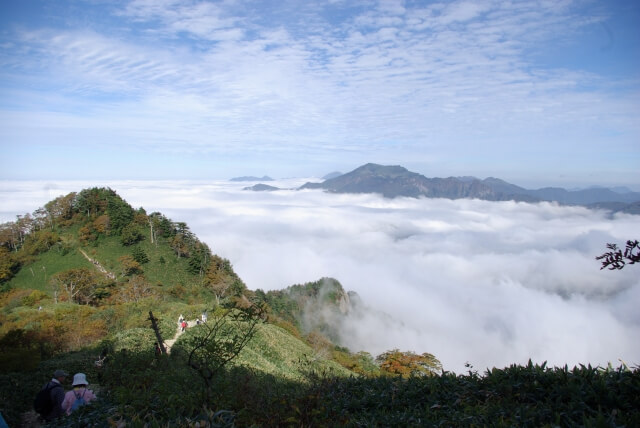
[[470, 281]]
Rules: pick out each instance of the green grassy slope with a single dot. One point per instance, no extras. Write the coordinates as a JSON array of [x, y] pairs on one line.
[[273, 350], [36, 275]]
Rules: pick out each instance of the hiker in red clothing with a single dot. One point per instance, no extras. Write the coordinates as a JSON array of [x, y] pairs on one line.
[[183, 325]]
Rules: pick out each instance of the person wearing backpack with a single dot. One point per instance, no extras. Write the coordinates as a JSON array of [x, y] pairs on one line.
[[48, 402], [79, 395]]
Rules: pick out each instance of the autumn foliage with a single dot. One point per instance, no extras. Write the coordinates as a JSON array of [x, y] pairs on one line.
[[407, 364]]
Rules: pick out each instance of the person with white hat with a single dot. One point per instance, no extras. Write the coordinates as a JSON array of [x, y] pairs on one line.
[[79, 395]]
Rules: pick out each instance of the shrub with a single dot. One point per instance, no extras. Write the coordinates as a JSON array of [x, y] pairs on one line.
[[34, 297], [135, 339], [131, 235], [19, 351]]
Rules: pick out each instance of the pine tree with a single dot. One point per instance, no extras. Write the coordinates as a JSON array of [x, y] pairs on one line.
[[139, 255]]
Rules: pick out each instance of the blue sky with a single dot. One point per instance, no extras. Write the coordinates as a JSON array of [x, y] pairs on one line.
[[535, 92]]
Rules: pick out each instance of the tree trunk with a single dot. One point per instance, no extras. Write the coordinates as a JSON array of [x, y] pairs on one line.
[[154, 326], [151, 226]]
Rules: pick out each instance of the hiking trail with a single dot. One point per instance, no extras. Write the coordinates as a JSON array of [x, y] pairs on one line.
[[98, 265], [169, 343]]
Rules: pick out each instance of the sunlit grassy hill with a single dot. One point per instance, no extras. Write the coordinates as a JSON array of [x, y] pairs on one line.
[[275, 351], [162, 267], [83, 273]]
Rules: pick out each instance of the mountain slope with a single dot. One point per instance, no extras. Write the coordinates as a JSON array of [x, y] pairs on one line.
[[275, 351], [90, 256], [394, 181]]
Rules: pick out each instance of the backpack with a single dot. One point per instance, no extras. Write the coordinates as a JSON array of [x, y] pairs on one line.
[[79, 401], [43, 404]]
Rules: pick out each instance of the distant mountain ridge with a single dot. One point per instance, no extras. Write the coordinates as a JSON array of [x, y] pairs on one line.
[[251, 178], [393, 181], [332, 175], [260, 187], [617, 189]]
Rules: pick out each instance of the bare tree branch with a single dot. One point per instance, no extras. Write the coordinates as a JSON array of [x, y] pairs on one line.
[[220, 340]]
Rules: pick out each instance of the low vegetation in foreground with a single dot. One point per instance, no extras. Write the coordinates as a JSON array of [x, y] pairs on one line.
[[82, 277], [138, 389]]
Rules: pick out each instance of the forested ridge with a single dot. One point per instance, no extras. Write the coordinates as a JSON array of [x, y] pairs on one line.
[[81, 276]]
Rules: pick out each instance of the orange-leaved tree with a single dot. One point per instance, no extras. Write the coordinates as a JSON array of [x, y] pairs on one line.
[[77, 285], [407, 363]]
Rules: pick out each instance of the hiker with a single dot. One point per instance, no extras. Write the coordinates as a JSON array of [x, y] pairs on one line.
[[48, 402], [79, 395], [204, 316], [100, 363], [183, 325], [180, 319]]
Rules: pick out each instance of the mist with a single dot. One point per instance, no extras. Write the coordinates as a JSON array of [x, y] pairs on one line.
[[470, 281]]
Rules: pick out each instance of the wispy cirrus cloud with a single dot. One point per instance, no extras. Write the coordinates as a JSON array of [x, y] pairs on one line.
[[389, 80], [202, 20]]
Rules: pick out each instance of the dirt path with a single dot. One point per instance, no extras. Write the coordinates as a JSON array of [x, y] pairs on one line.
[[169, 343], [98, 265]]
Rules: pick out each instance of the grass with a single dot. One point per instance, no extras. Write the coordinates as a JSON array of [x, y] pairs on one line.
[[273, 350], [36, 274], [172, 272]]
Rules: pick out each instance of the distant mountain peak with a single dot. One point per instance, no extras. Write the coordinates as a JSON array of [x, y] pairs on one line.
[[394, 180], [251, 178], [260, 187], [383, 170]]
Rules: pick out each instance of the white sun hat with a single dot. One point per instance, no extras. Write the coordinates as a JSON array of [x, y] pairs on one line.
[[80, 379]]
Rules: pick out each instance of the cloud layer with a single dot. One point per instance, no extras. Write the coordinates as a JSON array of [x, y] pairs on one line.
[[490, 283]]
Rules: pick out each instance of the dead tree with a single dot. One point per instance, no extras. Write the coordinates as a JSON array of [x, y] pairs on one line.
[[154, 326]]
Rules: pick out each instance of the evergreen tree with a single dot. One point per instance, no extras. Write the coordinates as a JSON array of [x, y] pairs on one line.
[[139, 255]]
